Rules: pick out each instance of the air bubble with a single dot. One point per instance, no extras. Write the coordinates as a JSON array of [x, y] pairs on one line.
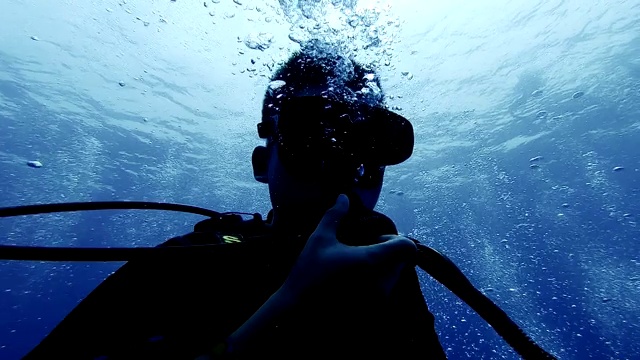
[[297, 37], [258, 41], [370, 77], [408, 75]]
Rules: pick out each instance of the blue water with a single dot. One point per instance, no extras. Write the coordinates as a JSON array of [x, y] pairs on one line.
[[556, 244]]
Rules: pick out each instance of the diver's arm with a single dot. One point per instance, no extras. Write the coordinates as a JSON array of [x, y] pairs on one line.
[[249, 338], [325, 269], [264, 321]]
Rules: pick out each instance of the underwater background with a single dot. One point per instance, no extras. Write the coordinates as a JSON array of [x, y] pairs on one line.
[[525, 172]]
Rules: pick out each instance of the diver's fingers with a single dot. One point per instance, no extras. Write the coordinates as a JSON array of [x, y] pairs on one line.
[[394, 250], [326, 230], [385, 238]]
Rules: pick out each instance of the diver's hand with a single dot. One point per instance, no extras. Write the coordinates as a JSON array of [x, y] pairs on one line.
[[326, 265], [328, 274]]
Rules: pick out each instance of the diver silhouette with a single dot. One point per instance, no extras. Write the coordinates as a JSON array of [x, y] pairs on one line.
[[323, 275]]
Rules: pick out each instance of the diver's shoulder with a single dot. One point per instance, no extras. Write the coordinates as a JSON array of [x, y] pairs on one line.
[[226, 228]]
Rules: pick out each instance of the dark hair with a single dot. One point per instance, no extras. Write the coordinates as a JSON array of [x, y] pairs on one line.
[[322, 65]]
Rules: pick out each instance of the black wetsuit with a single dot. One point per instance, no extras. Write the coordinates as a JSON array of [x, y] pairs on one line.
[[179, 308]]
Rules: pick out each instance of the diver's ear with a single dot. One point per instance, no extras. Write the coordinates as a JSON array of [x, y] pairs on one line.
[[260, 162]]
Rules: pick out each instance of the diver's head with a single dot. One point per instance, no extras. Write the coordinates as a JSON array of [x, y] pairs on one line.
[[327, 132]]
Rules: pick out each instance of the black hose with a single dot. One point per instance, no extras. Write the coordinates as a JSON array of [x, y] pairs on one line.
[[448, 274], [42, 253], [103, 205]]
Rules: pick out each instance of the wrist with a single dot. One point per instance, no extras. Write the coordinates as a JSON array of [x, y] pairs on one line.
[[268, 318]]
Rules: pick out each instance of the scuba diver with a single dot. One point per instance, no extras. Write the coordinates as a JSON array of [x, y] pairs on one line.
[[324, 275]]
